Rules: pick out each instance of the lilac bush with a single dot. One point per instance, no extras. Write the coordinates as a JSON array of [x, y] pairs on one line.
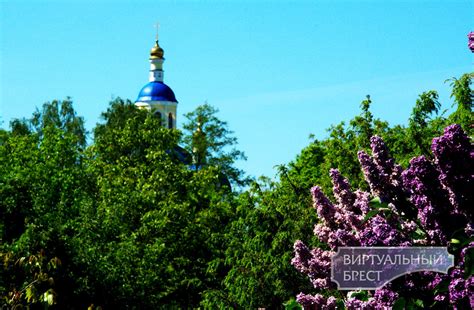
[[430, 203]]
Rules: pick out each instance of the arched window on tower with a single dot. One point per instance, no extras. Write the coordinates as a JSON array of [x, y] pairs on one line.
[[158, 116], [170, 121]]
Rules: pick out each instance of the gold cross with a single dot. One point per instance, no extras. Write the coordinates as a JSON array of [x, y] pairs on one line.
[[157, 26]]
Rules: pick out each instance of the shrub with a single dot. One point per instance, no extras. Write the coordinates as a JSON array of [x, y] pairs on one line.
[[429, 203]]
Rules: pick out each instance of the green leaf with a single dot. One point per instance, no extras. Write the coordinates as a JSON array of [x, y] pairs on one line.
[[30, 293], [369, 215], [375, 200], [399, 304], [419, 303], [292, 304], [362, 295]]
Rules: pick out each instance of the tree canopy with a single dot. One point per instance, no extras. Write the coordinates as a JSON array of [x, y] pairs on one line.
[[211, 143], [124, 222]]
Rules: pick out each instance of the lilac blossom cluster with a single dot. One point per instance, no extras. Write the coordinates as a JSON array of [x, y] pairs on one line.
[[432, 197], [317, 301], [382, 299], [453, 157], [384, 177], [315, 263], [470, 42]]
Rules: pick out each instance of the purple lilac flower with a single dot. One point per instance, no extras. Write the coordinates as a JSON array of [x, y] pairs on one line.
[[396, 176], [428, 196], [469, 230], [342, 191], [337, 220], [454, 157], [442, 203], [310, 301], [315, 263], [470, 42], [362, 201], [385, 163], [379, 232], [348, 212], [322, 204], [460, 289], [353, 303], [331, 303], [356, 304], [316, 302], [440, 297], [344, 238], [469, 287], [322, 232], [302, 258], [372, 174], [349, 208], [382, 159], [353, 221], [437, 279], [320, 283], [344, 221], [464, 251], [384, 177], [320, 268], [409, 226], [385, 297], [379, 170], [457, 291]]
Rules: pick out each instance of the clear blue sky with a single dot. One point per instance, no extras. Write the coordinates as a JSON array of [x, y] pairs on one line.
[[277, 70]]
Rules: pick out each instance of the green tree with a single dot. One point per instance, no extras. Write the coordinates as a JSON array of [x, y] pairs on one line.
[[135, 226], [211, 143], [42, 181], [338, 150], [259, 247], [153, 234], [59, 114], [463, 100], [420, 125]]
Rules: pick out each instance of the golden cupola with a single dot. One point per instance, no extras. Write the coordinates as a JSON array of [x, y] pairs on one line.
[[156, 51]]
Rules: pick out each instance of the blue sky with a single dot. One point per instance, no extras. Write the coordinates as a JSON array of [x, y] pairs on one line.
[[276, 70]]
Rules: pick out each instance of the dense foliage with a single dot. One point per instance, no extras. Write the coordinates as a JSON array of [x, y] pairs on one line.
[[132, 220], [127, 222], [430, 203], [210, 142], [278, 211]]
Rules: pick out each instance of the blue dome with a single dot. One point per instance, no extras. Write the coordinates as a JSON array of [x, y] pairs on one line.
[[156, 91]]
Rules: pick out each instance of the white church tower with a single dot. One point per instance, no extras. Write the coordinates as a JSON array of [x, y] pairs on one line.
[[156, 96]]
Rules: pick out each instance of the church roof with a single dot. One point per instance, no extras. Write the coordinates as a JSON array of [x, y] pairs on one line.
[[156, 91]]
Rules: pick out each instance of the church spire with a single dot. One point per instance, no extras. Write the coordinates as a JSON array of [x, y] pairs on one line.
[[156, 60], [156, 96]]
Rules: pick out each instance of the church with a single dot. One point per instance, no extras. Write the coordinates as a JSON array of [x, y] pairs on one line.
[[156, 96], [159, 99]]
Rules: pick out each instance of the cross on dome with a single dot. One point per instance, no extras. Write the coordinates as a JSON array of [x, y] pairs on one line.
[[157, 26]]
